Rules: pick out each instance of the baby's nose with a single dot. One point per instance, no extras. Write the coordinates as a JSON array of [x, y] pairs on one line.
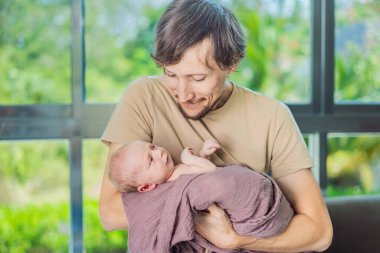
[[158, 153]]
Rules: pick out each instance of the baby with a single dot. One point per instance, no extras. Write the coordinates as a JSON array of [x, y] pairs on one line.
[[141, 166], [251, 199]]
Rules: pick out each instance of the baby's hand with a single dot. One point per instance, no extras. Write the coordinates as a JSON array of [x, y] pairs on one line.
[[187, 156], [209, 147]]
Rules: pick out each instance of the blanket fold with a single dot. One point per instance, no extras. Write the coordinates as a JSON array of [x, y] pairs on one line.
[[162, 220]]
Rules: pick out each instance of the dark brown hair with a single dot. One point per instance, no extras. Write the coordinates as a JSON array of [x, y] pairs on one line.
[[188, 22]]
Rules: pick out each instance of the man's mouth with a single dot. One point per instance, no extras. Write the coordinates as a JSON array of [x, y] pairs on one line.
[[191, 104]]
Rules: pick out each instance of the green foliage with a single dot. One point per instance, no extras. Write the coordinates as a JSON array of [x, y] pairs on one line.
[[42, 228], [333, 191], [119, 47], [33, 169], [357, 77], [353, 165], [35, 52], [278, 46], [22, 161], [97, 240], [34, 201], [46, 228], [356, 62], [35, 68]]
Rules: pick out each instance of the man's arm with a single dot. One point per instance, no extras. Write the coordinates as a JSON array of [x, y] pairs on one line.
[[111, 208], [309, 230]]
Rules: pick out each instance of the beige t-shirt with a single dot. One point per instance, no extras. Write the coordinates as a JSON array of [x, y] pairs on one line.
[[251, 128]]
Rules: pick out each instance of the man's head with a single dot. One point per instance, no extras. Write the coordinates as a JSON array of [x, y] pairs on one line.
[[186, 23], [140, 166], [198, 43]]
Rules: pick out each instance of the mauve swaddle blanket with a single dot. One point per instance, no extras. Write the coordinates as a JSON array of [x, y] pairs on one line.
[[162, 220]]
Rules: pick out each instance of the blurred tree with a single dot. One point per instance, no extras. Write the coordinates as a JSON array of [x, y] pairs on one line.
[[34, 52], [278, 51], [357, 77], [119, 41]]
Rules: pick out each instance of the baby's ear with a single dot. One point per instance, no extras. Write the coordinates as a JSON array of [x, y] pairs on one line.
[[146, 187]]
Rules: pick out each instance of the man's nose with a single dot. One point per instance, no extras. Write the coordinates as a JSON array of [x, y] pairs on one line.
[[184, 92]]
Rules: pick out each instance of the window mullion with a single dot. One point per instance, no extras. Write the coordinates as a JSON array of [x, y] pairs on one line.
[[77, 88], [328, 58]]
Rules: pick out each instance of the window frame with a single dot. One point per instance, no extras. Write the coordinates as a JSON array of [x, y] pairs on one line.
[[79, 120]]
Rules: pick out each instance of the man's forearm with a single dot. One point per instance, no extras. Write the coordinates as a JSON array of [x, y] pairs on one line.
[[309, 230], [111, 209], [302, 234]]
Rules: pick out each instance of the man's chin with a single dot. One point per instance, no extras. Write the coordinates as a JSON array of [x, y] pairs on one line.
[[194, 116]]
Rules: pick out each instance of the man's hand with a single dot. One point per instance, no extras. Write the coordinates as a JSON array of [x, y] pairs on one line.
[[209, 147], [216, 227]]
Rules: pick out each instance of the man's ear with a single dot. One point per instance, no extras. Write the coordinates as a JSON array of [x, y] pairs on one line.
[[233, 68], [146, 187]]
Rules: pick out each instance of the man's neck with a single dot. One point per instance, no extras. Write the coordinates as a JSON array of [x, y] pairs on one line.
[[228, 88]]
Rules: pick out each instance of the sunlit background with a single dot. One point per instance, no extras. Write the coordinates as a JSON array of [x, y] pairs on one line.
[[35, 69]]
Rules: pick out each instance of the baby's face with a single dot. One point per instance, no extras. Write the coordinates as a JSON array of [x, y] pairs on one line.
[[154, 163]]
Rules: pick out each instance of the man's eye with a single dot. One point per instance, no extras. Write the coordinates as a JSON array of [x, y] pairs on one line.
[[169, 75], [198, 78]]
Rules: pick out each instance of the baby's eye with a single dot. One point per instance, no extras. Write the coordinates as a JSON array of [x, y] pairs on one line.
[[153, 146], [151, 160]]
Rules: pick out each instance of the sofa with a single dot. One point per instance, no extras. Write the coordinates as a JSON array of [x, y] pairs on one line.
[[356, 222]]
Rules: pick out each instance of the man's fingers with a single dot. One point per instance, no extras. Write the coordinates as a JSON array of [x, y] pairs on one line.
[[214, 208]]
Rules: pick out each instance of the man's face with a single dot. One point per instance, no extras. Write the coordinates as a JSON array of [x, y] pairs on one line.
[[154, 163], [195, 85]]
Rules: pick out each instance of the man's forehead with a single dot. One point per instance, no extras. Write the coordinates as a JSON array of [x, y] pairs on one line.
[[196, 59]]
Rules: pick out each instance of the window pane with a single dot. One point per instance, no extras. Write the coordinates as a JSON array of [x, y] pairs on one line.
[[96, 239], [277, 61], [353, 164], [119, 41], [357, 50], [34, 199], [35, 52]]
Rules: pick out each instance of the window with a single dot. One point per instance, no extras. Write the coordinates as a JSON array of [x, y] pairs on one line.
[[59, 85]]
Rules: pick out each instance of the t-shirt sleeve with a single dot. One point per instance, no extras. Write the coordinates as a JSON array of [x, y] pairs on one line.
[[290, 153], [131, 119]]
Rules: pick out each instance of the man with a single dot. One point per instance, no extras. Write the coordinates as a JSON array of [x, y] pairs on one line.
[[198, 44]]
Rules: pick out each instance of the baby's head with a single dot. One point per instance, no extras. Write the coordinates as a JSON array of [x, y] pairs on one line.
[[140, 166]]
